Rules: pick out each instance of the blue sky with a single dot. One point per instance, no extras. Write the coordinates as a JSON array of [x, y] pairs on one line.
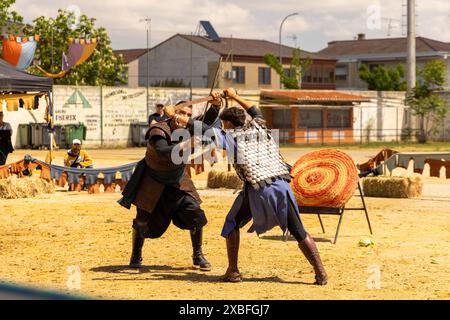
[[317, 23]]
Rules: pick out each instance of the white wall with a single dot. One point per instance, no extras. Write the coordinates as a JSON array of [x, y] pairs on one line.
[[382, 118], [117, 107], [133, 74], [70, 108], [23, 116], [106, 111]]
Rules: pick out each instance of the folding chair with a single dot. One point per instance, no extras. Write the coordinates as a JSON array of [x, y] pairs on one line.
[[337, 211]]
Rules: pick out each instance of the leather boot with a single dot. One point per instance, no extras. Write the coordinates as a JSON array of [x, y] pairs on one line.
[[136, 255], [309, 249], [197, 258], [232, 274]]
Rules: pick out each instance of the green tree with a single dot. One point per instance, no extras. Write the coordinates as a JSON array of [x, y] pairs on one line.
[[425, 100], [290, 80], [102, 68], [10, 21], [382, 79]]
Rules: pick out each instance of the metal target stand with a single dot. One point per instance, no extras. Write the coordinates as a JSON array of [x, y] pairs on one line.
[[338, 212]]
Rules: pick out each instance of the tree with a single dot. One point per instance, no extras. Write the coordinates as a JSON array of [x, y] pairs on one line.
[[102, 68], [10, 21], [425, 100], [296, 70], [382, 79]]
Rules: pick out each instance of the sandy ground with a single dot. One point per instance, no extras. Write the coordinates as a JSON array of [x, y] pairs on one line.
[[41, 238]]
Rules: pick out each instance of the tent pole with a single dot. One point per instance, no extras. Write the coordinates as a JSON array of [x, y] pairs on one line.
[[50, 99]]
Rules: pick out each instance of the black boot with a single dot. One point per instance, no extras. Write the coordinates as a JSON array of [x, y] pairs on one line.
[[136, 255], [197, 258], [309, 249]]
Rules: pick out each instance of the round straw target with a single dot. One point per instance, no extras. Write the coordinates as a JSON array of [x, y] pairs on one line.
[[324, 178]]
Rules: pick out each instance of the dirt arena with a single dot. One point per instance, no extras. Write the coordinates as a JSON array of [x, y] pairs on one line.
[[42, 237]]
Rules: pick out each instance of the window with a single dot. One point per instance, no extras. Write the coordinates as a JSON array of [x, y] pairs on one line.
[[339, 119], [304, 77], [341, 73], [317, 74], [307, 75], [281, 118], [405, 116], [309, 118], [332, 76], [240, 74], [328, 75], [289, 73], [264, 75]]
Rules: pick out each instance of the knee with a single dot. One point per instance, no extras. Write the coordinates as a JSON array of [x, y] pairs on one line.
[[298, 233], [141, 227]]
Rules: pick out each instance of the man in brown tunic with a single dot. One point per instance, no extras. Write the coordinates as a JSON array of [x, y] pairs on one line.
[[165, 193]]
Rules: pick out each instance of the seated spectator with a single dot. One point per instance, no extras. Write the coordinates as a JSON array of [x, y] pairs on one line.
[[158, 116], [77, 157]]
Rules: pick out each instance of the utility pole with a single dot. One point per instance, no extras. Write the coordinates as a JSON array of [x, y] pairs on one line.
[[411, 40], [411, 50], [191, 71], [148, 21], [52, 22], [279, 38]]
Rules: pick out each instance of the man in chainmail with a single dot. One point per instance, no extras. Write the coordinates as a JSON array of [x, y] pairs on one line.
[[267, 197]]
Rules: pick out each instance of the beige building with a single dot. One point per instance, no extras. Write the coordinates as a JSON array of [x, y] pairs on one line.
[[387, 52], [191, 61], [131, 59]]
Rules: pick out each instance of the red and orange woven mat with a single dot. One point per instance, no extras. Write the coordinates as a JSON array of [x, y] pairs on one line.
[[324, 178]]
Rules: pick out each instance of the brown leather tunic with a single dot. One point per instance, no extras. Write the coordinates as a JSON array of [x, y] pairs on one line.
[[150, 190]]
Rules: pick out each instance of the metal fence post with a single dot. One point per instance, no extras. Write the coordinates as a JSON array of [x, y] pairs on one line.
[[101, 116], [361, 125], [396, 124]]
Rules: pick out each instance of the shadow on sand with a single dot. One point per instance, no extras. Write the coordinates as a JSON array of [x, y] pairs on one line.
[[172, 274], [291, 238]]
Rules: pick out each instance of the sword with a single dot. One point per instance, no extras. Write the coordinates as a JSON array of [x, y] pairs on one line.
[[192, 102], [197, 101]]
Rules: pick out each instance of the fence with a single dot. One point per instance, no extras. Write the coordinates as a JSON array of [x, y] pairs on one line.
[[313, 136], [108, 114]]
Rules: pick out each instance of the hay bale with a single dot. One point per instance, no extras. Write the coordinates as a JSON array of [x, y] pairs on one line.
[[223, 179], [27, 187], [393, 187]]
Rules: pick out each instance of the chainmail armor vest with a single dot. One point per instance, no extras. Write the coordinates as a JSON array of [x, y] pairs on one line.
[[258, 160]]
